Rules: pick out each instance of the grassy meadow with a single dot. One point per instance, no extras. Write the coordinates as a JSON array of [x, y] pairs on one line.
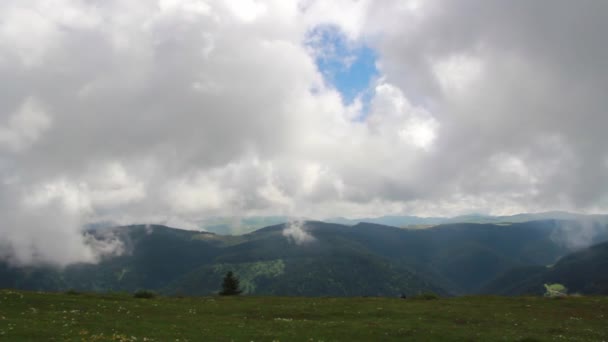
[[31, 316]]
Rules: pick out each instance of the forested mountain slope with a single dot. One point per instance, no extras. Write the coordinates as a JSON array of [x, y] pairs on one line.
[[315, 258]]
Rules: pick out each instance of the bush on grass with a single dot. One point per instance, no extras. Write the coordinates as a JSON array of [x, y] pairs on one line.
[[146, 294]]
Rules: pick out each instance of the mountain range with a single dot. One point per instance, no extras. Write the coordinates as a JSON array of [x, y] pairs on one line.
[[313, 258]]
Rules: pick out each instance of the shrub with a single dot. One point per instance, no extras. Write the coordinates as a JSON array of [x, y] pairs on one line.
[[72, 292], [147, 294], [555, 291], [426, 296]]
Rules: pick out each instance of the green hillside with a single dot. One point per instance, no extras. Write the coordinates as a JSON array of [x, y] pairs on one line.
[[585, 271]]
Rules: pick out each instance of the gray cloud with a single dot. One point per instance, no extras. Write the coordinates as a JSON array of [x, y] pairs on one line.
[[535, 104], [176, 110]]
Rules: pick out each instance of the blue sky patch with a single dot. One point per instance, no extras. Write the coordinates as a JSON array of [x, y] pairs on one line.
[[348, 66]]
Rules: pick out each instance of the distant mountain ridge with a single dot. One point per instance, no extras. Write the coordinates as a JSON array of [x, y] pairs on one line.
[[246, 224], [407, 221]]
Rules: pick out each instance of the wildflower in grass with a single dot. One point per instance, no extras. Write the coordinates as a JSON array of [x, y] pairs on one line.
[[283, 319]]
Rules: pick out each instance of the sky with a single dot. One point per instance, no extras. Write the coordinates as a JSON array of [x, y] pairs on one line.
[[171, 111]]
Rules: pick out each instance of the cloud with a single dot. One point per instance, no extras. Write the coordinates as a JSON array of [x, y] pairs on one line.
[[579, 234], [173, 111], [528, 96], [24, 126], [43, 225], [296, 233]]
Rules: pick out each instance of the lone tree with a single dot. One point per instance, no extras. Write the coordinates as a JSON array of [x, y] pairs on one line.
[[230, 285]]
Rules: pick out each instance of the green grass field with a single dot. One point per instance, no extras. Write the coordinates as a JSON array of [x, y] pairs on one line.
[[28, 316]]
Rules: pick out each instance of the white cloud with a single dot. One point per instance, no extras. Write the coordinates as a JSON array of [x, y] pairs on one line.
[[110, 186], [25, 126], [44, 227], [247, 10], [392, 113], [198, 195], [420, 133], [349, 16], [188, 6], [29, 43], [457, 73]]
